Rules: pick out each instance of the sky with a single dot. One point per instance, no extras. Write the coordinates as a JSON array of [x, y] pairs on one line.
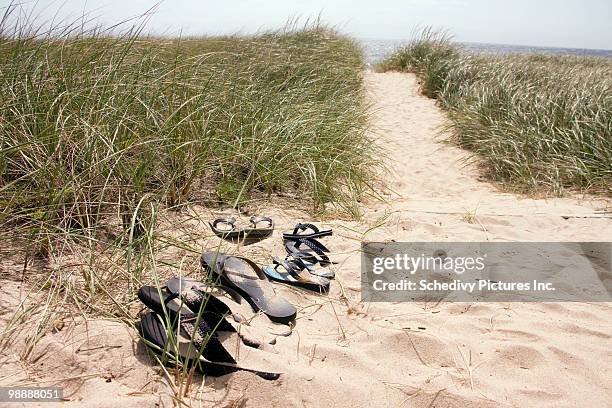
[[554, 23]]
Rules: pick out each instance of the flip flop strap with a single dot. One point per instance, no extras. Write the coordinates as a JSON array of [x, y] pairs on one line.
[[231, 221], [188, 322], [301, 227], [194, 297], [317, 248], [307, 256], [219, 263], [199, 334], [205, 340], [256, 220], [298, 232], [170, 296], [293, 266], [314, 245], [253, 266]]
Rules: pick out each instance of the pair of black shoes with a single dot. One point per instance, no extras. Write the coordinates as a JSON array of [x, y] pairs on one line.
[[183, 327]]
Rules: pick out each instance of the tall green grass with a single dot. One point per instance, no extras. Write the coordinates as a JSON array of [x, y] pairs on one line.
[[104, 133], [95, 125], [536, 122]]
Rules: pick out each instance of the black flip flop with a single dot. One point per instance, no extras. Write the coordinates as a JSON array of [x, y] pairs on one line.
[[230, 231], [293, 271], [310, 261], [300, 231], [196, 298], [155, 334], [302, 244], [310, 250], [167, 304], [247, 279]]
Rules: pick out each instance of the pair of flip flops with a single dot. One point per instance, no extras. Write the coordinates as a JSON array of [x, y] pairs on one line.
[[304, 252], [184, 325], [226, 228], [244, 277], [302, 243]]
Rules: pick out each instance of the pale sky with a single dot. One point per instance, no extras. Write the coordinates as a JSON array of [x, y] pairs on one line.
[[556, 23]]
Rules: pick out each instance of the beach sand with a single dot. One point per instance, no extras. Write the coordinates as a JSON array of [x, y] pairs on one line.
[[345, 353]]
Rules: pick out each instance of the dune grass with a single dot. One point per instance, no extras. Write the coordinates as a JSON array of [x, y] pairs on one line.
[[116, 147], [537, 123], [93, 124]]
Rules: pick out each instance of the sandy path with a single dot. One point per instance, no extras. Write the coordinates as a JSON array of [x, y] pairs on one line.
[[488, 354], [429, 176], [350, 354]]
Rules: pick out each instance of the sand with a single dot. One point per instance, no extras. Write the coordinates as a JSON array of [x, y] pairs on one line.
[[346, 353]]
